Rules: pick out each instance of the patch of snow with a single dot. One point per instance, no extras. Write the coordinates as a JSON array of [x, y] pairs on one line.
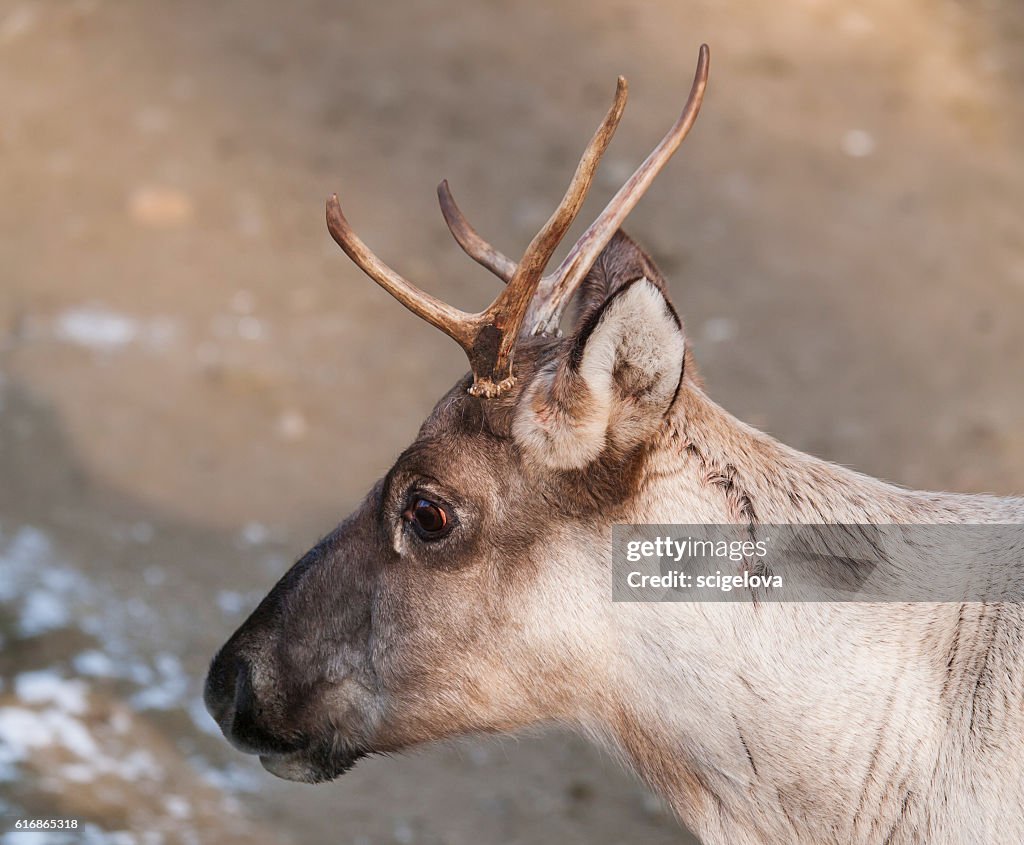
[[23, 730], [168, 691], [101, 329], [135, 765], [60, 579], [201, 718], [231, 779], [94, 663], [47, 687], [139, 673], [42, 611], [29, 547], [230, 602], [177, 806], [42, 589], [96, 327]]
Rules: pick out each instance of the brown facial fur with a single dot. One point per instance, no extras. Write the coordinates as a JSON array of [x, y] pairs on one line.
[[378, 639]]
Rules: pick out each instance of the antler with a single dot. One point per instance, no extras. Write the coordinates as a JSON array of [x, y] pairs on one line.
[[490, 336], [557, 288], [458, 325], [472, 244]]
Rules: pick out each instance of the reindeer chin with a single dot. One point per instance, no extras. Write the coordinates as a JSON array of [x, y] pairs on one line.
[[301, 768]]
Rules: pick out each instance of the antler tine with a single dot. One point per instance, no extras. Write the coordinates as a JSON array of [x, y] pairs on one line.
[[508, 311], [458, 325], [467, 237], [560, 285]]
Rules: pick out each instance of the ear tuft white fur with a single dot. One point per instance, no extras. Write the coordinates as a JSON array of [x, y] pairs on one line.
[[612, 387]]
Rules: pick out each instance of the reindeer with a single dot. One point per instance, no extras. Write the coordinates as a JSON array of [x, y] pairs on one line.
[[469, 592]]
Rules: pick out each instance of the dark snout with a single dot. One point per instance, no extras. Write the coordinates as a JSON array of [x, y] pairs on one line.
[[247, 687], [283, 686], [234, 704]]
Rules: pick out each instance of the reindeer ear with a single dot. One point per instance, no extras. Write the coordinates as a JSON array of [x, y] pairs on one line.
[[611, 387]]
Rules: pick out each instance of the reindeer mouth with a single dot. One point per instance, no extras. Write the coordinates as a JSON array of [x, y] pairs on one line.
[[311, 767]]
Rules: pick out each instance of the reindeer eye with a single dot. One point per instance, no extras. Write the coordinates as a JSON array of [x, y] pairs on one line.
[[428, 518]]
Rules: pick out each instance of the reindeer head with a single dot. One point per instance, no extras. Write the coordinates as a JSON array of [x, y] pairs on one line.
[[466, 593]]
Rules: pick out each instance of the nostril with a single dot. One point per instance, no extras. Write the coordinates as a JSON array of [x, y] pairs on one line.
[[219, 691], [247, 728], [244, 699]]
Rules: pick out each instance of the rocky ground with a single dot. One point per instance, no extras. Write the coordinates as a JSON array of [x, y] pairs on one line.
[[195, 383]]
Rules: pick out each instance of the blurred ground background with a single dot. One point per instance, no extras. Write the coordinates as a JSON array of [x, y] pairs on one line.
[[195, 383]]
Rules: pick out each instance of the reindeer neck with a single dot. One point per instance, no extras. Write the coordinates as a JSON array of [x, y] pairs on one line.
[[710, 467], [746, 706]]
